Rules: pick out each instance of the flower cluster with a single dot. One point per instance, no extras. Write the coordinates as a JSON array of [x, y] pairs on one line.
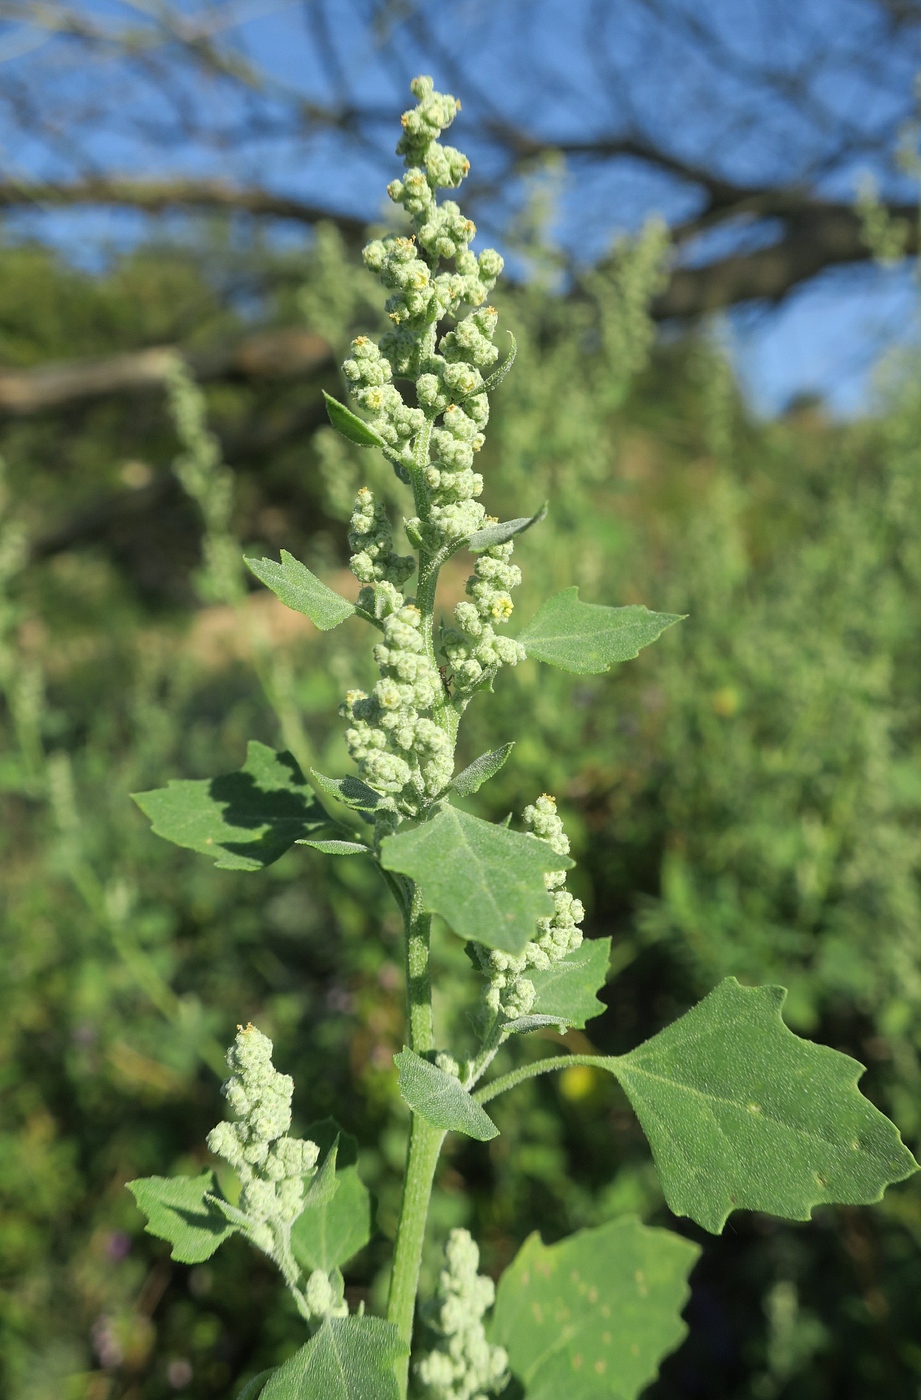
[[447, 372], [473, 648], [398, 747], [463, 1366], [509, 992]]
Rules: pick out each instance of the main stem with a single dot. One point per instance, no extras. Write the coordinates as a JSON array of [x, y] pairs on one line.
[[424, 1142]]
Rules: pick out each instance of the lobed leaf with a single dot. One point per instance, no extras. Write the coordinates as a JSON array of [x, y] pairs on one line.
[[441, 1099], [594, 1315], [504, 530], [742, 1114], [350, 1358], [302, 591], [350, 425], [177, 1211], [472, 778], [246, 819], [567, 990], [486, 881], [587, 638]]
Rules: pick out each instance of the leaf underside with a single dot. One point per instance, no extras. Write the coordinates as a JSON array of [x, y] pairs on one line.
[[351, 791], [568, 988], [302, 591], [350, 425], [743, 1114], [177, 1211], [441, 1099], [587, 638], [487, 882], [593, 1316], [246, 819], [350, 1358]]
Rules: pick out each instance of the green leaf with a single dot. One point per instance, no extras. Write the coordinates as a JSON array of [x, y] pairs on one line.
[[338, 848], [486, 881], [504, 530], [350, 791], [350, 1358], [497, 376], [594, 1315], [299, 589], [472, 778], [253, 1388], [247, 819], [441, 1099], [328, 1234], [742, 1114], [350, 425], [521, 1025], [177, 1211], [586, 638], [325, 1184], [568, 988]]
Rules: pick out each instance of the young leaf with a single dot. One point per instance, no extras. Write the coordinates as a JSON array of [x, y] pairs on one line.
[[350, 791], [325, 1184], [302, 591], [742, 1114], [177, 1211], [350, 1358], [586, 638], [521, 1025], [327, 1236], [253, 1388], [337, 848], [497, 376], [472, 778], [504, 530], [567, 989], [350, 425], [247, 819], [486, 881], [594, 1315], [441, 1099]]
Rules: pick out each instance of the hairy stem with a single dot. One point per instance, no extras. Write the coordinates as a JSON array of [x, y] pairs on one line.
[[424, 1148], [418, 983], [553, 1062]]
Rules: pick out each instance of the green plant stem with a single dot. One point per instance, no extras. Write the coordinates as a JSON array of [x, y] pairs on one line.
[[554, 1062], [422, 1159], [418, 982]]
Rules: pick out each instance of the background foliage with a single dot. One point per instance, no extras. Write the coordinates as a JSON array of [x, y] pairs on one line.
[[744, 800]]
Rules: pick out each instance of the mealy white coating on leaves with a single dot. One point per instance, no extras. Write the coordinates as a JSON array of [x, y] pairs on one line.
[[463, 1366], [271, 1165], [509, 991]]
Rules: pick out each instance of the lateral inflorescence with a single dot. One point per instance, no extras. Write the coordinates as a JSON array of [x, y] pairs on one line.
[[509, 991], [463, 1366]]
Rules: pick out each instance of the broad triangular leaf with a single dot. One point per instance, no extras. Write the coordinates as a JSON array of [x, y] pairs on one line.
[[246, 819], [472, 778], [350, 1358], [742, 1114], [327, 1236], [299, 589], [486, 881], [350, 425], [441, 1099], [503, 530], [593, 1316], [568, 988], [586, 638], [177, 1211]]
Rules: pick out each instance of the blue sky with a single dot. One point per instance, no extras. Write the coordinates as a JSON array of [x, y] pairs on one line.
[[586, 69]]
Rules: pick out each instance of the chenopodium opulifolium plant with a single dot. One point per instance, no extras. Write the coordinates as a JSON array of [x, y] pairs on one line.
[[740, 1113]]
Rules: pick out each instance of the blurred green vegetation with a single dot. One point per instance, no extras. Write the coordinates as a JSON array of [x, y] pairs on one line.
[[743, 799]]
